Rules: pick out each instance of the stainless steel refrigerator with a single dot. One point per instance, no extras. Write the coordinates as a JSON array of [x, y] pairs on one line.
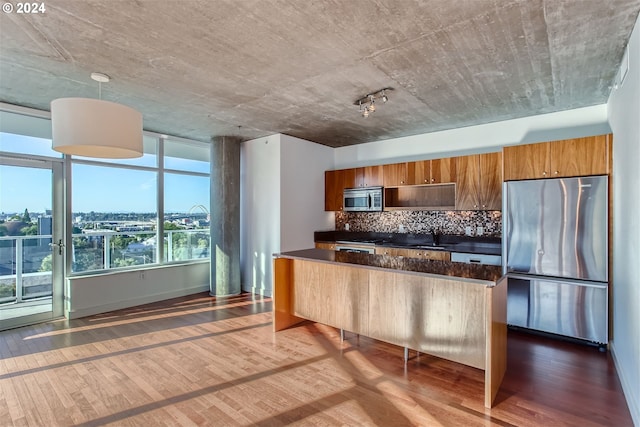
[[555, 253]]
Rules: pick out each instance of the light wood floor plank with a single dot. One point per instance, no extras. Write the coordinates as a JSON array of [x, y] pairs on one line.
[[198, 361]]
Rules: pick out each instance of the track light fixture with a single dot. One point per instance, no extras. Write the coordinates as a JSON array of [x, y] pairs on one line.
[[367, 104]]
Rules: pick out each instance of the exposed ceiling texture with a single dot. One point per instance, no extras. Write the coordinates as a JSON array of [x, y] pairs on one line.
[[199, 69]]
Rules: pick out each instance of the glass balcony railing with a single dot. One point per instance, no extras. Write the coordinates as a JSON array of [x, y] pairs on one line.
[[25, 261], [25, 268], [105, 250]]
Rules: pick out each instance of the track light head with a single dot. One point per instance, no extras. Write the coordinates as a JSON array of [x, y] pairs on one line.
[[367, 104], [372, 105]]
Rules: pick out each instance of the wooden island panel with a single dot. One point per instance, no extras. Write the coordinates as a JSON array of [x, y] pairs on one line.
[[496, 345], [335, 295], [440, 317], [283, 287], [444, 316]]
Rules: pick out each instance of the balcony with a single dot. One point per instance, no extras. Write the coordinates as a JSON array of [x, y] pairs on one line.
[[25, 261]]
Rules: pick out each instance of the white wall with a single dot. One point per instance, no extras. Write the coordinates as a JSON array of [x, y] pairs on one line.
[[282, 202], [624, 117], [302, 192], [259, 212], [88, 295], [477, 139]]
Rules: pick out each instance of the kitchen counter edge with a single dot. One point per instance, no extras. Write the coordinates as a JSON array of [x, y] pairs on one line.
[[473, 273]]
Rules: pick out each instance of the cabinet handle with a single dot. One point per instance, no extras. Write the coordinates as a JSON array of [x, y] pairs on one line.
[[556, 172], [475, 206], [544, 173], [426, 180], [484, 206], [402, 182], [433, 180]]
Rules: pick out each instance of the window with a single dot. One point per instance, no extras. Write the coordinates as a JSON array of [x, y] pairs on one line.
[[114, 217], [115, 207], [186, 201], [26, 135], [124, 212]]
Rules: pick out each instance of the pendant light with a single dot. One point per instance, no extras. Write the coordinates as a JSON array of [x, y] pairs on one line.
[[95, 128]]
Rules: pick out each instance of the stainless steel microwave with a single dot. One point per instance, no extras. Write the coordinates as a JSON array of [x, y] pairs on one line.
[[362, 199]]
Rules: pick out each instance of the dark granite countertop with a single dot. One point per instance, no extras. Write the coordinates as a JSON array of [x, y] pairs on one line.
[[475, 245], [485, 274]]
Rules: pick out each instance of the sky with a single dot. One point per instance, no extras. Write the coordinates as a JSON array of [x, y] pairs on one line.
[[95, 188]]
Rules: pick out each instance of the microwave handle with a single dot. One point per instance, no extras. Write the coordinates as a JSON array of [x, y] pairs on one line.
[[370, 200]]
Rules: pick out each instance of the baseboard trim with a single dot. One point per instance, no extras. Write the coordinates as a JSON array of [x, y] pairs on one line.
[[132, 302], [258, 291], [632, 401]]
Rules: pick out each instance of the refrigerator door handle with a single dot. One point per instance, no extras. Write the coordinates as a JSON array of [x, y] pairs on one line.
[[601, 285]]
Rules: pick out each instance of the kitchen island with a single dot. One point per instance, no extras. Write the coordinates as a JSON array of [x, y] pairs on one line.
[[450, 310]]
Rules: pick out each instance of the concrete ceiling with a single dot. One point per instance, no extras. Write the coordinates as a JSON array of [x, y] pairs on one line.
[[199, 69]]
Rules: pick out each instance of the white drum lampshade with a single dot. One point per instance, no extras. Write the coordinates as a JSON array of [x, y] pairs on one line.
[[96, 128]]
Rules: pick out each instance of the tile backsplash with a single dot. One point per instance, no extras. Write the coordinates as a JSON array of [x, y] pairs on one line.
[[446, 222]]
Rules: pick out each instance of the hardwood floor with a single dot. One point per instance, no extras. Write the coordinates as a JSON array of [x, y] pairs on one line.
[[198, 361]]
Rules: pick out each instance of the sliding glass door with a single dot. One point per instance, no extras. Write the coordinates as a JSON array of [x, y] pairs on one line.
[[31, 241]]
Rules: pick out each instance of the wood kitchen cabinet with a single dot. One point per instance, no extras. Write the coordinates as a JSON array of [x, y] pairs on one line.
[[414, 253], [391, 251], [435, 171], [556, 159], [395, 175], [326, 245], [369, 176], [336, 181], [428, 254], [479, 182], [420, 197], [334, 184]]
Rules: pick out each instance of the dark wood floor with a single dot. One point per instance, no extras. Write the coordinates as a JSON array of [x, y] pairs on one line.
[[198, 361]]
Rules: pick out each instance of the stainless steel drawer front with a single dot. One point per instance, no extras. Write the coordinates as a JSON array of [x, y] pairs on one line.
[[559, 307]]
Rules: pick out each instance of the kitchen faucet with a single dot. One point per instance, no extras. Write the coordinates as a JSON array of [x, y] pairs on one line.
[[435, 236]]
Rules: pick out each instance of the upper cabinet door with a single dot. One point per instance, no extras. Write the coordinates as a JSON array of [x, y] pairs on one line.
[[348, 177], [443, 170], [369, 176], [580, 156], [332, 191], [556, 159], [526, 161], [334, 184], [479, 182], [468, 183], [395, 174], [419, 172], [491, 181]]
